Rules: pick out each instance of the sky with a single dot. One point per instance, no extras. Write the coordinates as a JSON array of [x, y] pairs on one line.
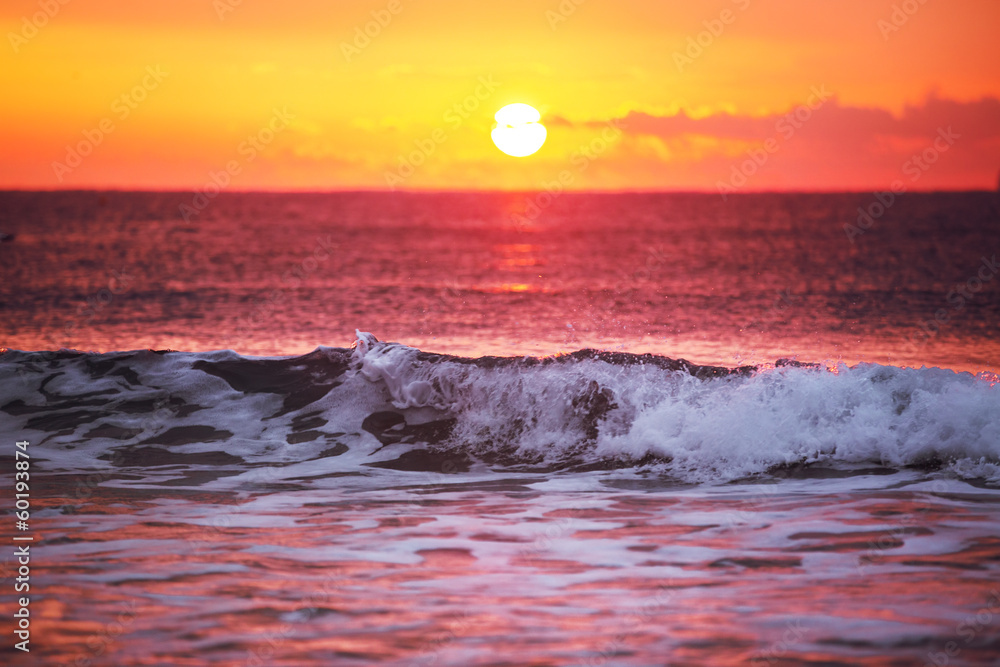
[[714, 95]]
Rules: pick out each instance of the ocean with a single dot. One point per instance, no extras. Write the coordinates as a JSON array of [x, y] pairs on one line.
[[502, 428]]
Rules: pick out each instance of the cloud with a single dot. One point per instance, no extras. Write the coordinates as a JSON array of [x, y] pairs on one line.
[[830, 145], [979, 119]]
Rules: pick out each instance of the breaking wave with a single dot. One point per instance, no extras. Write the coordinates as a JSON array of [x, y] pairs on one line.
[[391, 407]]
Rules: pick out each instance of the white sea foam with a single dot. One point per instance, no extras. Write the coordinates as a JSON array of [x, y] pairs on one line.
[[698, 425], [721, 428]]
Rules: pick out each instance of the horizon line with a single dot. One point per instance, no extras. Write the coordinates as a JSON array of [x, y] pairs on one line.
[[423, 191]]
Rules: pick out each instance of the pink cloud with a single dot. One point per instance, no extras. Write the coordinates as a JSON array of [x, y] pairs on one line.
[[833, 146]]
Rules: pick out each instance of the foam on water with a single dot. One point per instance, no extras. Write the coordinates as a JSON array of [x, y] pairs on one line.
[[338, 410], [720, 428]]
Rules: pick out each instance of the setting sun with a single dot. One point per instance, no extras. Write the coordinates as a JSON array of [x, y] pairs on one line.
[[518, 132]]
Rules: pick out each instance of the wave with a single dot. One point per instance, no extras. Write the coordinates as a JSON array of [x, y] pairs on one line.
[[387, 406]]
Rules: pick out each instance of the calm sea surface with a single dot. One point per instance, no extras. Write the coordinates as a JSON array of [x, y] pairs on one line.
[[753, 278]]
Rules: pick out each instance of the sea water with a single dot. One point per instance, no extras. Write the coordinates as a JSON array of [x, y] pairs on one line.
[[505, 429]]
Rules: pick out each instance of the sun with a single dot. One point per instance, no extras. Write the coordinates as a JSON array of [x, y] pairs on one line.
[[518, 132]]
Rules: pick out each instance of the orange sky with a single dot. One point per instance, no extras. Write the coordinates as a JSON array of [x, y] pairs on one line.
[[623, 109]]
